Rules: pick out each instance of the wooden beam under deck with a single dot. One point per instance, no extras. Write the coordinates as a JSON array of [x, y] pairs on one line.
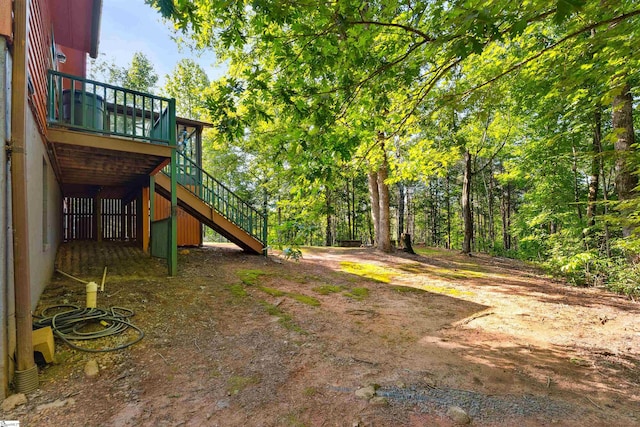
[[94, 160], [92, 140]]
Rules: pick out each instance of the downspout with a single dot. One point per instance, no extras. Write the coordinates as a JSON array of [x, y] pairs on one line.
[[26, 375]]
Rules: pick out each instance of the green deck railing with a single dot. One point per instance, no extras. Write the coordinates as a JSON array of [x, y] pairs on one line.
[[91, 106], [216, 195]]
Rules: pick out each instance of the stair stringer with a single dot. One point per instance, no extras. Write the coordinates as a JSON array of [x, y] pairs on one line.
[[208, 216]]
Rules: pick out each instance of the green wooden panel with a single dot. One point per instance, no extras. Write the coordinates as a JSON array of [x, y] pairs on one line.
[[160, 235]]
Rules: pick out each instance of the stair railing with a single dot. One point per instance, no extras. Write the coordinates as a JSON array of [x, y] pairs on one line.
[[219, 197]]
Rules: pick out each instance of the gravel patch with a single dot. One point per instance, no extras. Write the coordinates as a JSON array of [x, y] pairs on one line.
[[480, 407]]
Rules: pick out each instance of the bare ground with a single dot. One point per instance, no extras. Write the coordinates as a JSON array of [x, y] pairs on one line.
[[243, 340]]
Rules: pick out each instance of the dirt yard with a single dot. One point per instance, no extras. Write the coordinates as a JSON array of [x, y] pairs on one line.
[[344, 337]]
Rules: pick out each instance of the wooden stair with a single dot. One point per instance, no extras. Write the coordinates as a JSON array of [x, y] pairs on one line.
[[208, 215]]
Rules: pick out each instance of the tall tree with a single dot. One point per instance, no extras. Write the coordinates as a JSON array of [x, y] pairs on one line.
[[626, 180], [188, 84], [140, 75]]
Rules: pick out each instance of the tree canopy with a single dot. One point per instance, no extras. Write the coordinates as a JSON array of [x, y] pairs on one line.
[[464, 118]]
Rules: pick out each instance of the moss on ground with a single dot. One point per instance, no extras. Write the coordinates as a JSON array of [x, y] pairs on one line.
[[305, 299], [237, 290], [327, 289], [250, 277], [284, 319], [370, 271], [357, 293], [237, 383], [272, 291]]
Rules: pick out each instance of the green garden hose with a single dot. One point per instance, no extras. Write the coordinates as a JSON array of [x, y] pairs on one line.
[[68, 325]]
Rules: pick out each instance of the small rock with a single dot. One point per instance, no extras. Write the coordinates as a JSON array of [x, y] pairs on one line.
[[91, 369], [56, 404], [366, 392], [378, 401], [458, 415], [222, 404], [14, 400]]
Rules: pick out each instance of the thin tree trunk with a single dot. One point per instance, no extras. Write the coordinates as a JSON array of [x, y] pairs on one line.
[[448, 197], [329, 235], [490, 207], [576, 187], [354, 227], [605, 199], [595, 169], [623, 128], [349, 229], [401, 211], [467, 215], [411, 222], [434, 213], [384, 226], [505, 208], [372, 177]]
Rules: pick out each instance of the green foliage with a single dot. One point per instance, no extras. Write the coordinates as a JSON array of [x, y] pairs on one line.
[[139, 75], [625, 279], [292, 253], [188, 84], [517, 85]]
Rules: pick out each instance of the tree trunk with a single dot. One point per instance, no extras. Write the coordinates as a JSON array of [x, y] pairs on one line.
[[595, 169], [329, 235], [375, 204], [434, 212], [623, 128], [505, 208], [401, 210], [448, 200], [354, 222], [405, 238], [605, 199], [467, 215], [384, 225], [411, 223], [490, 207], [349, 226], [576, 186]]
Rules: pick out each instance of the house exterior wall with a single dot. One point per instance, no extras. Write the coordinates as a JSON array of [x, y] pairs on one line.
[[44, 211], [189, 228], [5, 19], [76, 63]]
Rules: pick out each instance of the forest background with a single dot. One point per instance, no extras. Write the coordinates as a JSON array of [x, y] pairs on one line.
[[484, 126]]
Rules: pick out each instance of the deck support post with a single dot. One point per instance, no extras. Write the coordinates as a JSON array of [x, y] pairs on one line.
[[173, 239], [144, 221]]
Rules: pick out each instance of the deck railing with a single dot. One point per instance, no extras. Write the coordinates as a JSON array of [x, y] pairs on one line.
[[90, 106], [216, 195]]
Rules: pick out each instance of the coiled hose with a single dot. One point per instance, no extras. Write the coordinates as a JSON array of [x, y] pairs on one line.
[[68, 325]]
